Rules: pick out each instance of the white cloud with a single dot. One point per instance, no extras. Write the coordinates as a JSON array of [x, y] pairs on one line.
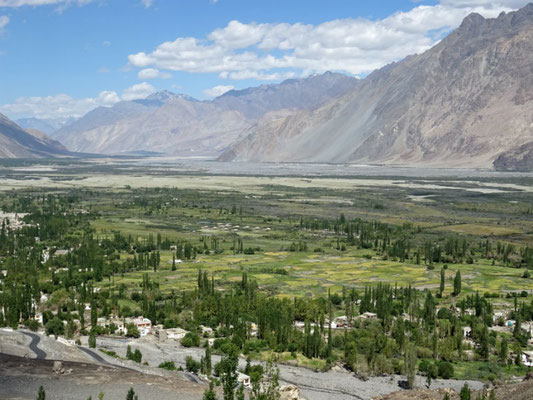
[[59, 106], [484, 3], [274, 51], [4, 20], [140, 91], [152, 73], [147, 3], [218, 90], [65, 106], [21, 3]]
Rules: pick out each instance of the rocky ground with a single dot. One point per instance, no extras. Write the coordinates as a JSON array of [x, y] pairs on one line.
[[517, 391], [20, 378], [29, 365]]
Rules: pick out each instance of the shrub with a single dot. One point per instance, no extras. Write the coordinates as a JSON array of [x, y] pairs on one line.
[[445, 370], [34, 325], [190, 340], [168, 365], [134, 356], [192, 365]]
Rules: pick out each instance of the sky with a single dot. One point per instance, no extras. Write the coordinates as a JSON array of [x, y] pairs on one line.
[[62, 58]]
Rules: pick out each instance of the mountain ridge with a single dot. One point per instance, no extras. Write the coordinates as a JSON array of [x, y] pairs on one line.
[[446, 106], [180, 125], [16, 142]]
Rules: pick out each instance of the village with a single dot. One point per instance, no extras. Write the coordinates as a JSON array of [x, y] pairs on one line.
[[139, 327]]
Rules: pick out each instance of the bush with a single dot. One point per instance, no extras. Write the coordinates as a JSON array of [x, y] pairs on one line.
[[55, 327], [134, 356], [445, 370], [133, 331], [168, 365], [34, 325], [190, 340], [192, 365]]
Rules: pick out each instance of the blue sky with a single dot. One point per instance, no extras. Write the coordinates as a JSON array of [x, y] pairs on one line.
[[61, 58]]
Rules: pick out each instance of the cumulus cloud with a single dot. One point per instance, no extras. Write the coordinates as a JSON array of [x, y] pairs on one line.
[[59, 106], [65, 106], [152, 73], [147, 3], [218, 90], [140, 91], [274, 51]]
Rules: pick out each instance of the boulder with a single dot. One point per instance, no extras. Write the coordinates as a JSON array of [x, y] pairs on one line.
[[289, 392], [58, 368]]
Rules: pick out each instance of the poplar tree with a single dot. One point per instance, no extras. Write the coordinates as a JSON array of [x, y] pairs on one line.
[[457, 284]]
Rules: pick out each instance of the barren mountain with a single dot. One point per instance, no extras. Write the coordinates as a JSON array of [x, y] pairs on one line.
[[461, 103], [16, 142], [177, 124]]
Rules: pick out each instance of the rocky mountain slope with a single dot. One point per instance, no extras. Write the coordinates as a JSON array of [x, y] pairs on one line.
[[179, 125], [517, 159], [16, 142], [461, 103]]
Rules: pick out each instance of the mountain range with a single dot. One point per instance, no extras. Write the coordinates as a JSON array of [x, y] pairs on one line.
[[465, 102], [180, 125], [16, 142]]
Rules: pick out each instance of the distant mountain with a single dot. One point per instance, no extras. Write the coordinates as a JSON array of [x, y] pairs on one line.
[[177, 124], [16, 142], [299, 94], [461, 103], [47, 126]]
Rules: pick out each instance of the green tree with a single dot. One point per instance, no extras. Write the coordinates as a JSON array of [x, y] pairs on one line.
[[484, 343], [92, 340], [410, 360], [442, 281], [133, 331], [41, 395], [457, 284], [55, 327], [465, 393], [518, 354], [228, 366], [265, 387], [210, 394], [240, 393], [208, 362], [350, 356], [504, 351], [131, 395]]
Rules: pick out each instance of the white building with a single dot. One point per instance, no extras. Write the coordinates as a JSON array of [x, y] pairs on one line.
[[243, 379], [144, 325]]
